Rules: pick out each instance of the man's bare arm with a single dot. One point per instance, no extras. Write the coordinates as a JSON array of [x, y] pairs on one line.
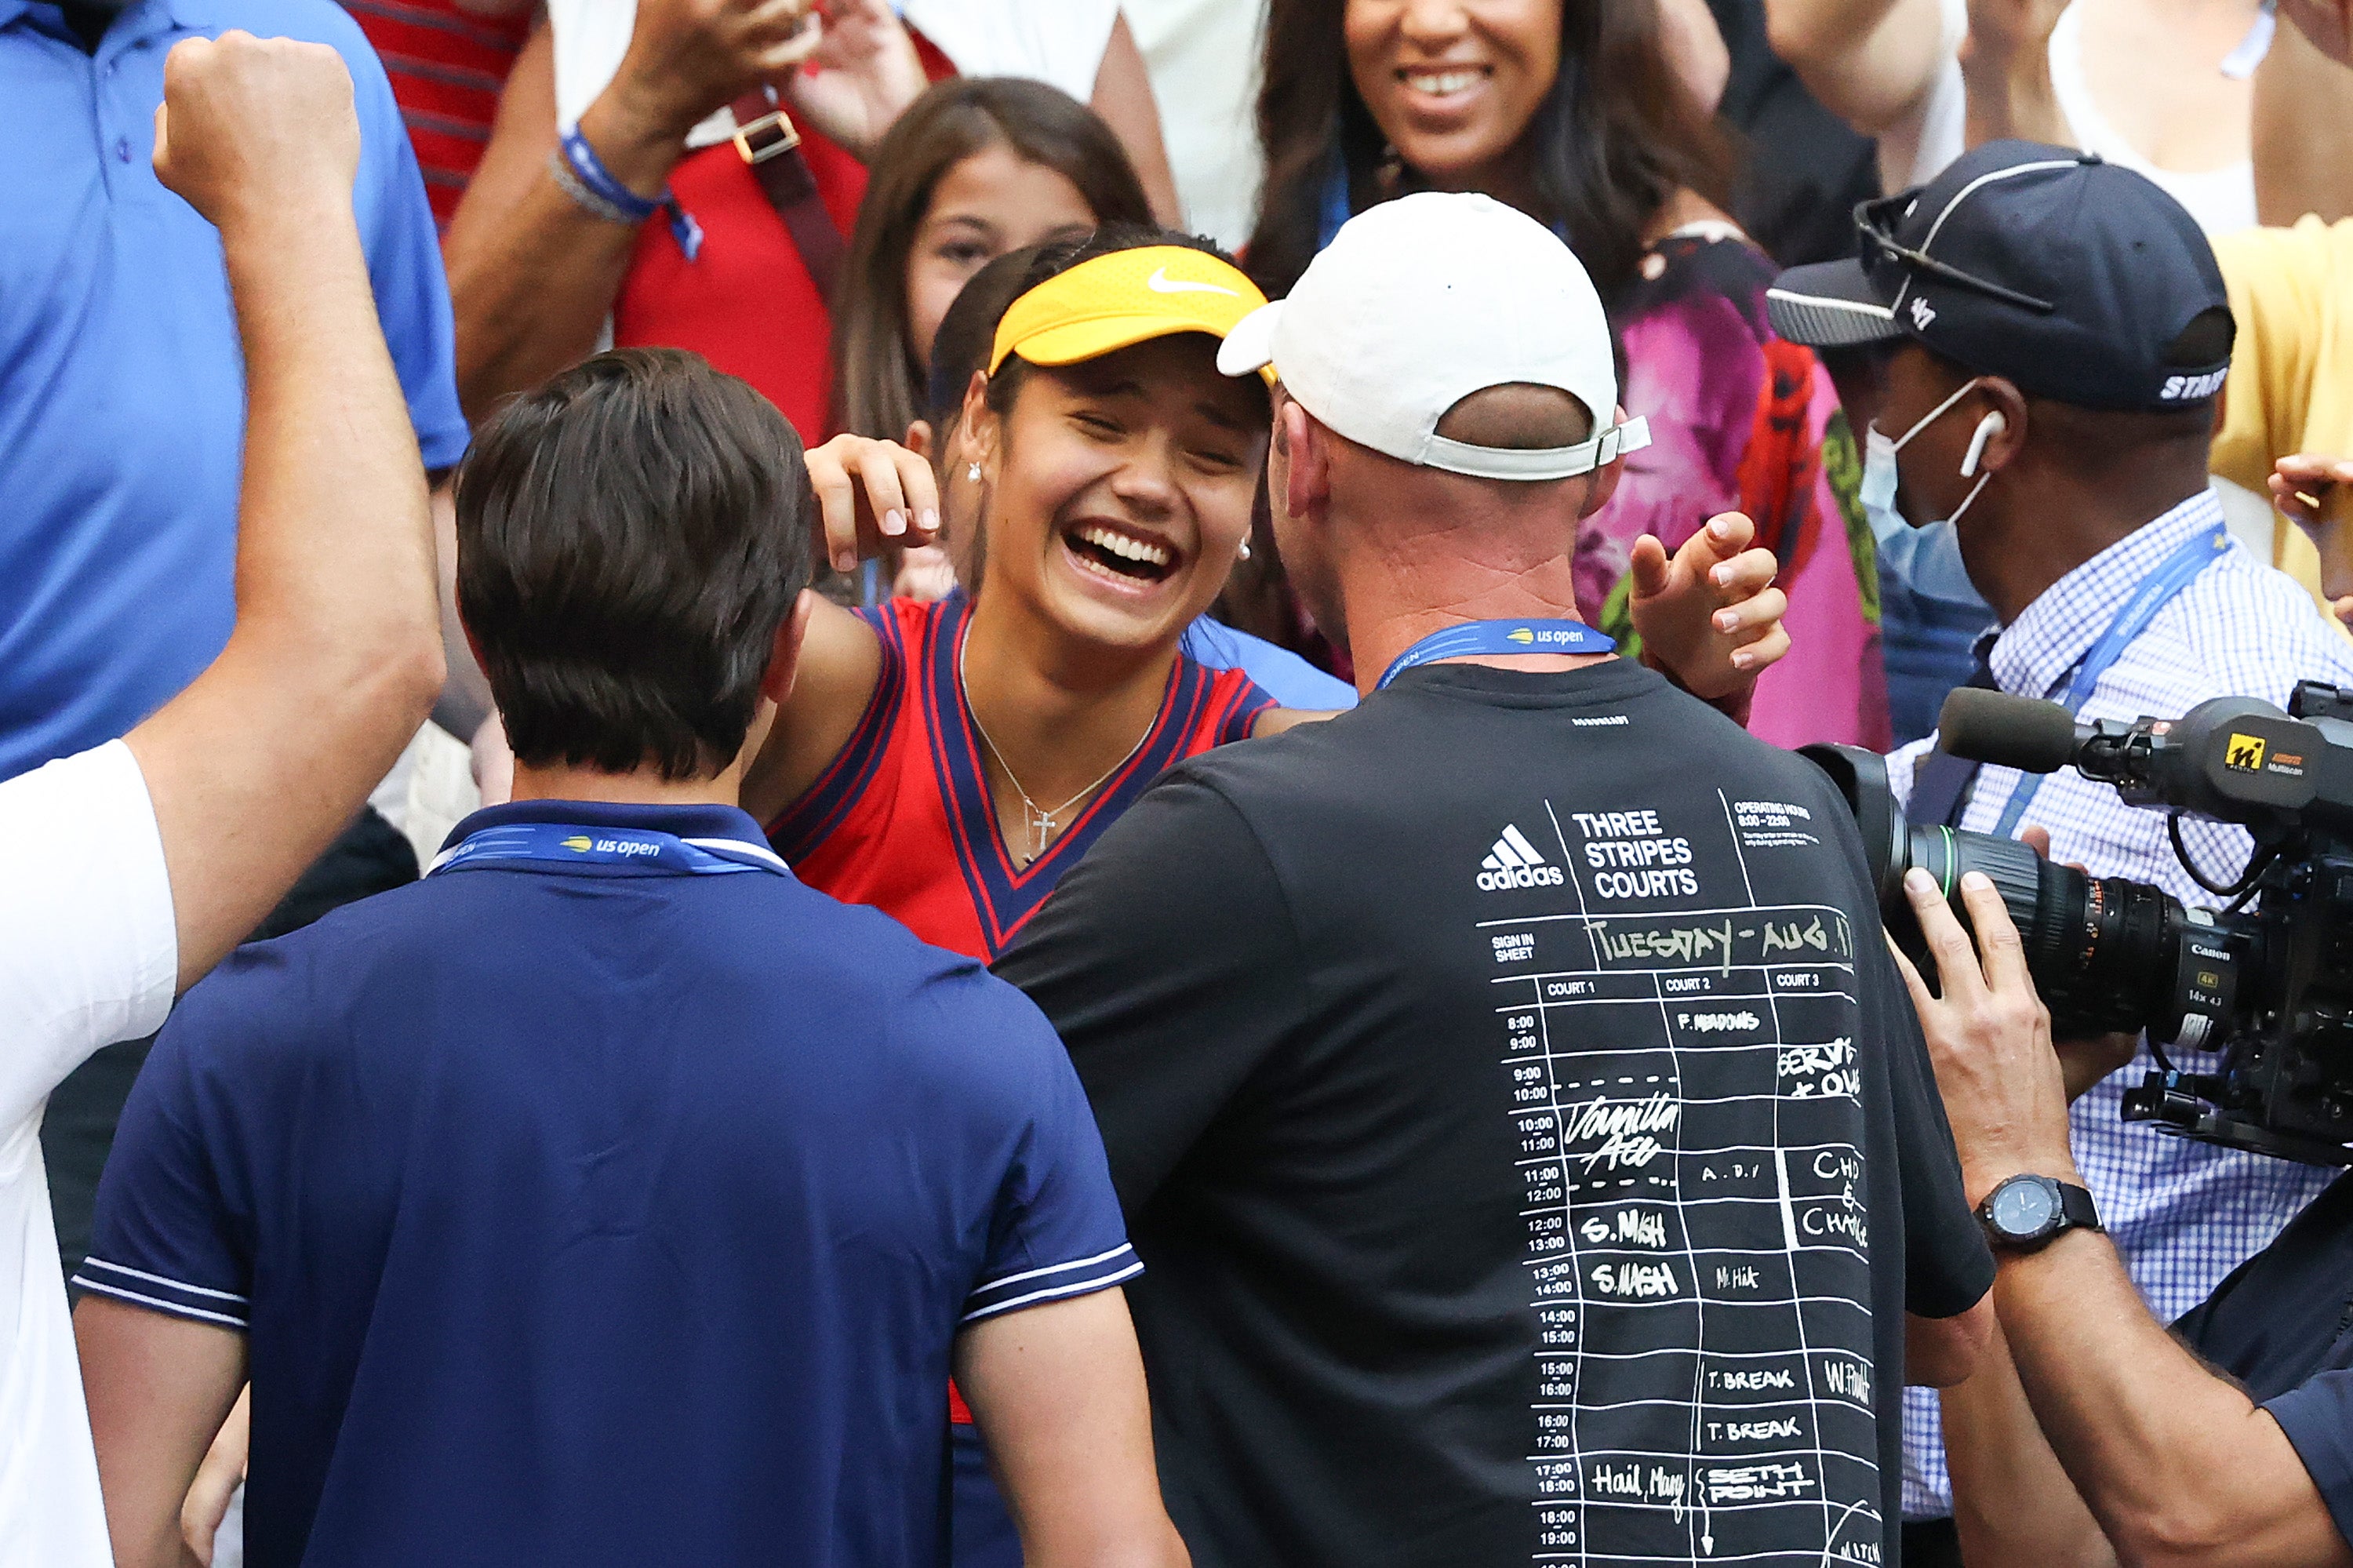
[[2012, 1502], [532, 273], [2178, 1465], [1871, 62], [1058, 1393], [159, 1387], [1122, 98], [335, 656]]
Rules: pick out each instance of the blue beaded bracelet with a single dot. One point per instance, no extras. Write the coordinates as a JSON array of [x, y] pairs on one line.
[[590, 170]]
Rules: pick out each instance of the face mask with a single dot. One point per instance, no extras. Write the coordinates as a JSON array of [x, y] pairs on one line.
[[1928, 559]]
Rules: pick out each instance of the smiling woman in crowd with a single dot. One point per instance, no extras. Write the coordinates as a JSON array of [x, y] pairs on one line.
[[1570, 111]]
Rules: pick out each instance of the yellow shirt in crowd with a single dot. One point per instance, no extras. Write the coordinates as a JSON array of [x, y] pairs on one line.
[[2291, 385]]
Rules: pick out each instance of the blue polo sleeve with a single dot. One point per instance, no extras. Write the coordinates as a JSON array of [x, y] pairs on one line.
[[1058, 1230], [404, 256], [2317, 1416], [164, 1237]]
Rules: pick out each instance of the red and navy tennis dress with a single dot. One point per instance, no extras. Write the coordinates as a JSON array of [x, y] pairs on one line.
[[904, 820]]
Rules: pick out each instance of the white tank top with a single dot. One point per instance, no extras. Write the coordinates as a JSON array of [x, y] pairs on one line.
[[2222, 200]]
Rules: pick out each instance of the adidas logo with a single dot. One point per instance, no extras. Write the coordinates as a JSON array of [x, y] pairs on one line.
[[1516, 863]]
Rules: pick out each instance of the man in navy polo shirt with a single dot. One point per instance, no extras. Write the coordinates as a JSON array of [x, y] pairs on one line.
[[123, 414], [608, 1196]]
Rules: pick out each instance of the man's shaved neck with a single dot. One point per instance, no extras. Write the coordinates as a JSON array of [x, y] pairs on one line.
[[1422, 549], [1517, 416]]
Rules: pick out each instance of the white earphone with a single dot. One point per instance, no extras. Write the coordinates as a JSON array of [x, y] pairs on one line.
[[1989, 426]]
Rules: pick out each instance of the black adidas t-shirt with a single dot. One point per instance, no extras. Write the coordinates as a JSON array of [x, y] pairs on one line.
[[1530, 1145]]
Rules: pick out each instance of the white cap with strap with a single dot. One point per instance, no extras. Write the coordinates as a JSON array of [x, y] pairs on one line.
[[1419, 303]]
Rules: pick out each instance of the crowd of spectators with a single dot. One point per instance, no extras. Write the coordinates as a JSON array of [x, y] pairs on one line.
[[418, 416]]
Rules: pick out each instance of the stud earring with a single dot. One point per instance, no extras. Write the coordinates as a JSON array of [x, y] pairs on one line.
[[1244, 554], [972, 471]]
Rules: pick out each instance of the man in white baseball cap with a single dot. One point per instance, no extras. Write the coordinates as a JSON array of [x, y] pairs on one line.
[[1451, 332], [1382, 357], [1530, 1145]]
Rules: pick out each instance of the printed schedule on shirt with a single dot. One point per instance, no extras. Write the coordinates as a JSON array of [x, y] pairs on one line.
[[1682, 1086]]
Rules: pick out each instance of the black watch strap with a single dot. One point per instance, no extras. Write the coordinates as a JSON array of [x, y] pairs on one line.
[[2076, 1208]]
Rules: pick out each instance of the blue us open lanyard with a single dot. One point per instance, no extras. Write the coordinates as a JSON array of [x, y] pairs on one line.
[[2156, 591], [1499, 637], [558, 846]]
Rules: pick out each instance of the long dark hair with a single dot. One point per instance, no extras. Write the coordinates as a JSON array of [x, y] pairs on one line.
[[1616, 137], [878, 386]]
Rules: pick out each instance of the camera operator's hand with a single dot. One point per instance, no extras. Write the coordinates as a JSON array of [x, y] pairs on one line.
[[1710, 616], [1989, 1039], [2083, 1062]]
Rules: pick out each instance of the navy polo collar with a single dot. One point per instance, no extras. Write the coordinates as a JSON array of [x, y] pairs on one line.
[[682, 822]]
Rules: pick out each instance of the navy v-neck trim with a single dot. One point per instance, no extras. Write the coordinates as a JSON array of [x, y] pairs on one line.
[[1002, 896]]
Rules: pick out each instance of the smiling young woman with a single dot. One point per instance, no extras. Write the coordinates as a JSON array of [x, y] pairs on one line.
[[945, 761], [1570, 111]]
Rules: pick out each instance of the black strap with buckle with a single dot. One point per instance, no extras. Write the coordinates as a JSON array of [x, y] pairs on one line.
[[768, 143]]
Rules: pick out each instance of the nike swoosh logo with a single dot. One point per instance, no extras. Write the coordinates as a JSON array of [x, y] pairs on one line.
[[1160, 282]]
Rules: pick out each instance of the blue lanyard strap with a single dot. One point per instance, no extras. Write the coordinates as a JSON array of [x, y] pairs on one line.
[[1499, 637], [2156, 591], [557, 846]]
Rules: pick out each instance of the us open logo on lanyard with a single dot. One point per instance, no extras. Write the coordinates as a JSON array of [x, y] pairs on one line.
[[561, 846], [1499, 637]]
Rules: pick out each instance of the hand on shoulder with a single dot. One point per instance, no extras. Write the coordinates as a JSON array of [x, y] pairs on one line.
[[868, 490]]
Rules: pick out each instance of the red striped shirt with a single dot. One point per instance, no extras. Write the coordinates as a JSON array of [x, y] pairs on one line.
[[448, 67]]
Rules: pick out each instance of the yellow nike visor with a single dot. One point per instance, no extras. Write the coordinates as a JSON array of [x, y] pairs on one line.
[[1120, 299]]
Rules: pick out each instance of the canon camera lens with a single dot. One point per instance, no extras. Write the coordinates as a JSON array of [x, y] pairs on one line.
[[2107, 955]]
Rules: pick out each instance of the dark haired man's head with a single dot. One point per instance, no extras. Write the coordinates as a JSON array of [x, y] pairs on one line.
[[631, 540]]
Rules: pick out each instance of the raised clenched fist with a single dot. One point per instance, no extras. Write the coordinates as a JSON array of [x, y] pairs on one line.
[[251, 126], [688, 57]]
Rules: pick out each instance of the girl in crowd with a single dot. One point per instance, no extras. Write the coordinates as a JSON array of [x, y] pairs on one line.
[[947, 761], [1569, 111]]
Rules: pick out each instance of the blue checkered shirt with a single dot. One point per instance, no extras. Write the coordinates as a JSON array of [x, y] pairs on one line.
[[2183, 1214]]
